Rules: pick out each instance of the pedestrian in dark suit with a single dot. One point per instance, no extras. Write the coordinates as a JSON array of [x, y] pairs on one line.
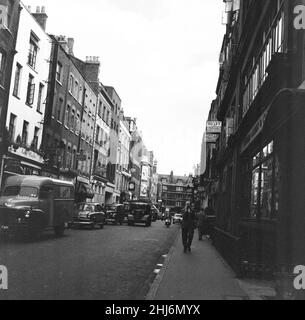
[[188, 226]]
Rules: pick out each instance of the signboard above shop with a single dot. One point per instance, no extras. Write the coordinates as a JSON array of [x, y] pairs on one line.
[[213, 127]]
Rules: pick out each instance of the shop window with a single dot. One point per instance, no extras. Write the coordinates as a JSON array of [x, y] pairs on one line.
[[264, 184]]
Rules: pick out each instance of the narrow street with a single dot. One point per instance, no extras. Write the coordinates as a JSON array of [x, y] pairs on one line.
[[114, 263]]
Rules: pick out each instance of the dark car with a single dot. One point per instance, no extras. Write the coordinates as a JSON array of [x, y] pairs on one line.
[[138, 212], [115, 214], [89, 214]]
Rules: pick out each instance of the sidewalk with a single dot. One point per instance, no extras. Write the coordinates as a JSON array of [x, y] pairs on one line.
[[200, 275]]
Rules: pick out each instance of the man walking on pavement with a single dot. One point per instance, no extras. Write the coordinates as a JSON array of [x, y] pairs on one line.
[[188, 227]]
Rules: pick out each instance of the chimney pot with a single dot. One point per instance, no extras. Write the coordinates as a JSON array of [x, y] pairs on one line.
[[37, 9], [43, 9]]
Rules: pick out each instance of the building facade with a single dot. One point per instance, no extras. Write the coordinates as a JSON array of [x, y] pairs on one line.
[[135, 156], [124, 175], [28, 92], [8, 38], [69, 120], [114, 141], [260, 153], [175, 191], [101, 149]]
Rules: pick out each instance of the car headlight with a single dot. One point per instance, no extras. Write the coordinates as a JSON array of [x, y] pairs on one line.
[[27, 214]]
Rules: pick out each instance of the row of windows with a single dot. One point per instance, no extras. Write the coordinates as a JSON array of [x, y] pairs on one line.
[[75, 89], [273, 43], [66, 156], [31, 88], [104, 114], [178, 189], [25, 132], [101, 137]]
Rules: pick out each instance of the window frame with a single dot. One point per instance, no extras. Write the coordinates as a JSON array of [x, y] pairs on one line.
[[30, 91], [17, 81]]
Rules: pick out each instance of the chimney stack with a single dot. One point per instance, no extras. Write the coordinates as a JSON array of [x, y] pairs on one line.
[[41, 17], [70, 46]]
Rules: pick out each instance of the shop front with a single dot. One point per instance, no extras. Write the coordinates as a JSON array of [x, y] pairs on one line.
[[83, 190], [272, 202], [20, 162]]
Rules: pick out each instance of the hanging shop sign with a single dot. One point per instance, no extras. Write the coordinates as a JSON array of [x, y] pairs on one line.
[[211, 138], [213, 127]]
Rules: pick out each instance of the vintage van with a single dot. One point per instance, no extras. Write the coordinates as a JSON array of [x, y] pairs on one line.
[[31, 204]]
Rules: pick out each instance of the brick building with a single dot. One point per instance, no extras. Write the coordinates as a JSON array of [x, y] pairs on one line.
[[70, 119]]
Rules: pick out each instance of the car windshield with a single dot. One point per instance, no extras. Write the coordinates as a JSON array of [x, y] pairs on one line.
[[21, 191], [86, 207], [138, 206]]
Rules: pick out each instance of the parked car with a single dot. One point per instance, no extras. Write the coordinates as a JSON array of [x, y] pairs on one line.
[[115, 214], [89, 214], [177, 218], [32, 204]]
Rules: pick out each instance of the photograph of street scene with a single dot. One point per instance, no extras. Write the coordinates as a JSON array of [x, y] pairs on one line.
[[152, 150]]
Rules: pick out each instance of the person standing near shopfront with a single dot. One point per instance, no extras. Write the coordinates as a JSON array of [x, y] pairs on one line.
[[188, 226]]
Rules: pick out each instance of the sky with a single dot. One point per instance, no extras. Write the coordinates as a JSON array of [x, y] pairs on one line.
[[162, 58]]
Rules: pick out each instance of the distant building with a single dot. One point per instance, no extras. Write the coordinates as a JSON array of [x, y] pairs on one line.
[[102, 149], [114, 141], [175, 191], [135, 156], [124, 174]]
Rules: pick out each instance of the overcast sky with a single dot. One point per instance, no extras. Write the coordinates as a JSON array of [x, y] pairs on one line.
[[162, 58]]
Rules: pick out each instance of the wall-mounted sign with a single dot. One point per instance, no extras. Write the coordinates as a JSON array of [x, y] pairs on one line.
[[211, 138], [213, 127], [255, 131]]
